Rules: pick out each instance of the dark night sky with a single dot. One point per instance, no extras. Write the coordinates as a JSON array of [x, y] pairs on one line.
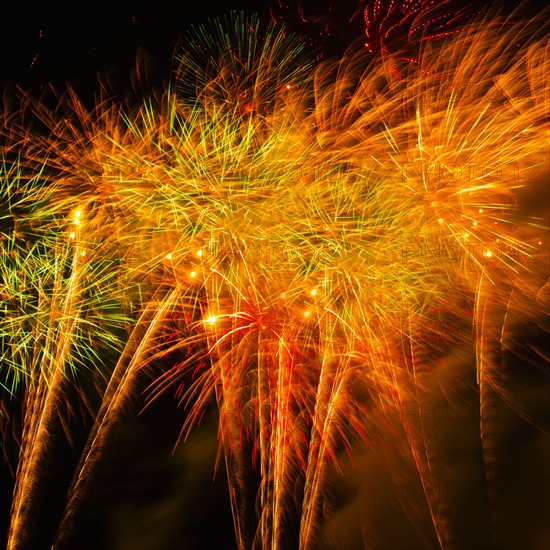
[[58, 44], [47, 44], [50, 44]]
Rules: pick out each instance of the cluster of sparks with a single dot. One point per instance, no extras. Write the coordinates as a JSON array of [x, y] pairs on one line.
[[384, 21], [270, 234]]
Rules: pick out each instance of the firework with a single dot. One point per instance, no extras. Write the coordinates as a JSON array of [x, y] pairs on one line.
[[406, 21], [298, 245]]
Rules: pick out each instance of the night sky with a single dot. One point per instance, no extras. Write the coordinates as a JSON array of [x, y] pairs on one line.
[[46, 44], [148, 495]]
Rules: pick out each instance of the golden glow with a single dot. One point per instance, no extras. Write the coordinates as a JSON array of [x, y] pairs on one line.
[[320, 212]]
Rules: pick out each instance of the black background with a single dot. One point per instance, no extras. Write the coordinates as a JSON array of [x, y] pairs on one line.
[[52, 43]]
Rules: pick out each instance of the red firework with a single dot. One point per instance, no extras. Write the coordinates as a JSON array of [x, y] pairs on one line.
[[391, 22]]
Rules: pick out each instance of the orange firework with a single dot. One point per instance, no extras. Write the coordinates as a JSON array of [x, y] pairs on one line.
[[328, 258]]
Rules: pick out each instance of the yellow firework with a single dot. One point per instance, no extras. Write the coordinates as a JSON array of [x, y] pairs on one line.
[[301, 246]]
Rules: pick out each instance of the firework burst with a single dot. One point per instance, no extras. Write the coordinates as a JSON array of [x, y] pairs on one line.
[[298, 245]]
